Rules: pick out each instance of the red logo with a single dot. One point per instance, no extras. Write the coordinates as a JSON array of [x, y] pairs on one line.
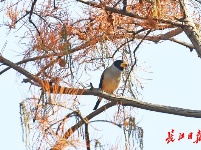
[[190, 136]]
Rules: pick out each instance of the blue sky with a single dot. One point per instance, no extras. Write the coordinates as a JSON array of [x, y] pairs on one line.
[[175, 81]]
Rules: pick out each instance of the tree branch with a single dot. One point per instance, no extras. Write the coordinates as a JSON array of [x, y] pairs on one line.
[[114, 100], [134, 53], [111, 9], [59, 145], [126, 13], [127, 101], [23, 61], [191, 30], [165, 36], [97, 92], [170, 34], [30, 15], [190, 46], [18, 68]]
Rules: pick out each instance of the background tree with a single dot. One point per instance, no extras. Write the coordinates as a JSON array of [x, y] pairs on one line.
[[63, 47]]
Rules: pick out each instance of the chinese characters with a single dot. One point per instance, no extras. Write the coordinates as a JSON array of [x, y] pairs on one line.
[[196, 137]]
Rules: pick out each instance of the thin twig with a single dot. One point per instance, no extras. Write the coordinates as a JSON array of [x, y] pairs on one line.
[[121, 47], [118, 125], [48, 65], [63, 120], [30, 15], [134, 52], [24, 61], [127, 41], [55, 7], [27, 12]]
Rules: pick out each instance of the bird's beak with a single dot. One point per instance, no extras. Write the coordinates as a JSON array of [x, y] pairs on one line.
[[124, 65]]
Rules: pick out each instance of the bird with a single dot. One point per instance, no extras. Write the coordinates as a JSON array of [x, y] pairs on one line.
[[111, 78]]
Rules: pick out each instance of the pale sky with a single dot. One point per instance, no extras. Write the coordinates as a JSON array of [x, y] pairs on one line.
[[175, 81]]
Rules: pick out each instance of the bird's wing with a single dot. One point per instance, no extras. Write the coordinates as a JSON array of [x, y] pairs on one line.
[[100, 86], [101, 80]]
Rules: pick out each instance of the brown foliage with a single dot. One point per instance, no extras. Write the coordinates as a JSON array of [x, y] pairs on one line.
[[63, 43]]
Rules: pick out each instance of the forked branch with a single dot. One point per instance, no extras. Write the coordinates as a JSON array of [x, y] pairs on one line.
[[70, 131]]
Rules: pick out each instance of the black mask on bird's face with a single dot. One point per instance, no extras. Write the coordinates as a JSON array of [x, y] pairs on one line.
[[120, 64]]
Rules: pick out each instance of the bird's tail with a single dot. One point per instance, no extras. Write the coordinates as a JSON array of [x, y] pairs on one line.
[[97, 103]]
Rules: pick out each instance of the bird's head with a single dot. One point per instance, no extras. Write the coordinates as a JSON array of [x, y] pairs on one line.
[[120, 64]]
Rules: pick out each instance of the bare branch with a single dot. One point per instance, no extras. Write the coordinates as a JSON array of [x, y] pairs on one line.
[[123, 101], [126, 13], [134, 52], [159, 37], [191, 30], [23, 61], [113, 123], [124, 5], [89, 43], [27, 12], [170, 34], [190, 46], [122, 12], [48, 65], [18, 68], [71, 130], [121, 47], [30, 14], [127, 101], [55, 7]]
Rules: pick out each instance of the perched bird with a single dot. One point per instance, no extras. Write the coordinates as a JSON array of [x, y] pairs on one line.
[[110, 78]]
